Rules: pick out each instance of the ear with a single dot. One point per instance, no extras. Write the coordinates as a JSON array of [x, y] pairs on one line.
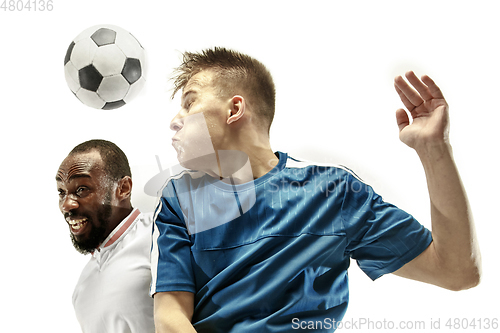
[[124, 189], [237, 109]]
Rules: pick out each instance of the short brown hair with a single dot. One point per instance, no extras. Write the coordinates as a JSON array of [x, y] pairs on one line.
[[234, 73]]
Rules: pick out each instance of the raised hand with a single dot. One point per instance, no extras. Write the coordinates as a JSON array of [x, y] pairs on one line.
[[429, 111], [453, 259]]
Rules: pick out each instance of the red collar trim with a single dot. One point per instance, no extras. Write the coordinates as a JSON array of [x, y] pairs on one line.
[[131, 218]]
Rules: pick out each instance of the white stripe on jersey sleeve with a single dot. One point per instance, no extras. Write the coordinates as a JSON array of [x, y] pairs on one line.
[[300, 164], [154, 252]]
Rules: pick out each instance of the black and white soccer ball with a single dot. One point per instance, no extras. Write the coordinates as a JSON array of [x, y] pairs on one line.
[[105, 67]]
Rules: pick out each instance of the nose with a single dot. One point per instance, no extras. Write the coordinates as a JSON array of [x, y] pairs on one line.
[[176, 124], [68, 204]]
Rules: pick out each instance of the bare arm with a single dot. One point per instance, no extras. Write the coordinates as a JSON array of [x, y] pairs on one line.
[[173, 312], [452, 260]]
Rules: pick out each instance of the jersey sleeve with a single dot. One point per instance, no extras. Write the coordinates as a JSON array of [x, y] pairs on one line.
[[381, 237], [171, 247]]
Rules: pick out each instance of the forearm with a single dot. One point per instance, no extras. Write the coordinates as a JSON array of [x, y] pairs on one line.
[[173, 323], [173, 312], [454, 236]]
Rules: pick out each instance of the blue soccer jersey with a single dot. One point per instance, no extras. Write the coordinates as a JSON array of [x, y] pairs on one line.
[[264, 255]]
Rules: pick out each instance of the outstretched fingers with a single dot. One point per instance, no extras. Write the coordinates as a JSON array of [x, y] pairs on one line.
[[422, 88], [429, 111], [415, 95], [407, 102], [432, 87], [410, 98], [418, 93]]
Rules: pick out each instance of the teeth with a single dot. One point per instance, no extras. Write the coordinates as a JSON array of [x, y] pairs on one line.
[[76, 224]]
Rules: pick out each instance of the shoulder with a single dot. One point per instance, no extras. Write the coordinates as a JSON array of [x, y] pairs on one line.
[[320, 169], [182, 182], [167, 178]]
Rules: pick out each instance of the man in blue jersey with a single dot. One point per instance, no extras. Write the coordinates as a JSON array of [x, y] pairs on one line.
[[249, 240]]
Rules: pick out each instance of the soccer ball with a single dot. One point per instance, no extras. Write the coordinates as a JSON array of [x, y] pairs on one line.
[[105, 67]]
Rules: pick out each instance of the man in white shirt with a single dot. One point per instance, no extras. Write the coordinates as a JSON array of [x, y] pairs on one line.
[[94, 184]]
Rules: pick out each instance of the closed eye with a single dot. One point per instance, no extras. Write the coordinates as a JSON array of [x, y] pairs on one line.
[[188, 99], [188, 104]]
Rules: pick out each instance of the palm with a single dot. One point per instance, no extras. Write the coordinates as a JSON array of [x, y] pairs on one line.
[[428, 109]]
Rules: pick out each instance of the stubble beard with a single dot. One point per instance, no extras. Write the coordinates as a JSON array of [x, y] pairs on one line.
[[97, 233]]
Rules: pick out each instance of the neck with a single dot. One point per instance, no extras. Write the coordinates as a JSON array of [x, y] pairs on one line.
[[119, 214], [262, 161], [243, 154], [241, 164]]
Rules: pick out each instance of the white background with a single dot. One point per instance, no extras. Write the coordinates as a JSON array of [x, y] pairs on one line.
[[333, 64]]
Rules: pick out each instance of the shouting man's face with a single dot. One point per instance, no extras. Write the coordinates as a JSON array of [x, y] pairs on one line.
[[85, 199]]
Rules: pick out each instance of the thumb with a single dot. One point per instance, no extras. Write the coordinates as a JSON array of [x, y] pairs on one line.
[[402, 119]]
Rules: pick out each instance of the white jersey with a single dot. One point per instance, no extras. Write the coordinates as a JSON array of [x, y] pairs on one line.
[[112, 292]]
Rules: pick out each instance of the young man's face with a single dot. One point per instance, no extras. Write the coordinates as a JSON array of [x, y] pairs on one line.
[[85, 199], [201, 123]]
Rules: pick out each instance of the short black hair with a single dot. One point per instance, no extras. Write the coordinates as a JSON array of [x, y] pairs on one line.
[[115, 161]]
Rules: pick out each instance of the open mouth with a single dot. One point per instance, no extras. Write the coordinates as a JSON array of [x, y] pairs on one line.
[[177, 145], [76, 225]]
